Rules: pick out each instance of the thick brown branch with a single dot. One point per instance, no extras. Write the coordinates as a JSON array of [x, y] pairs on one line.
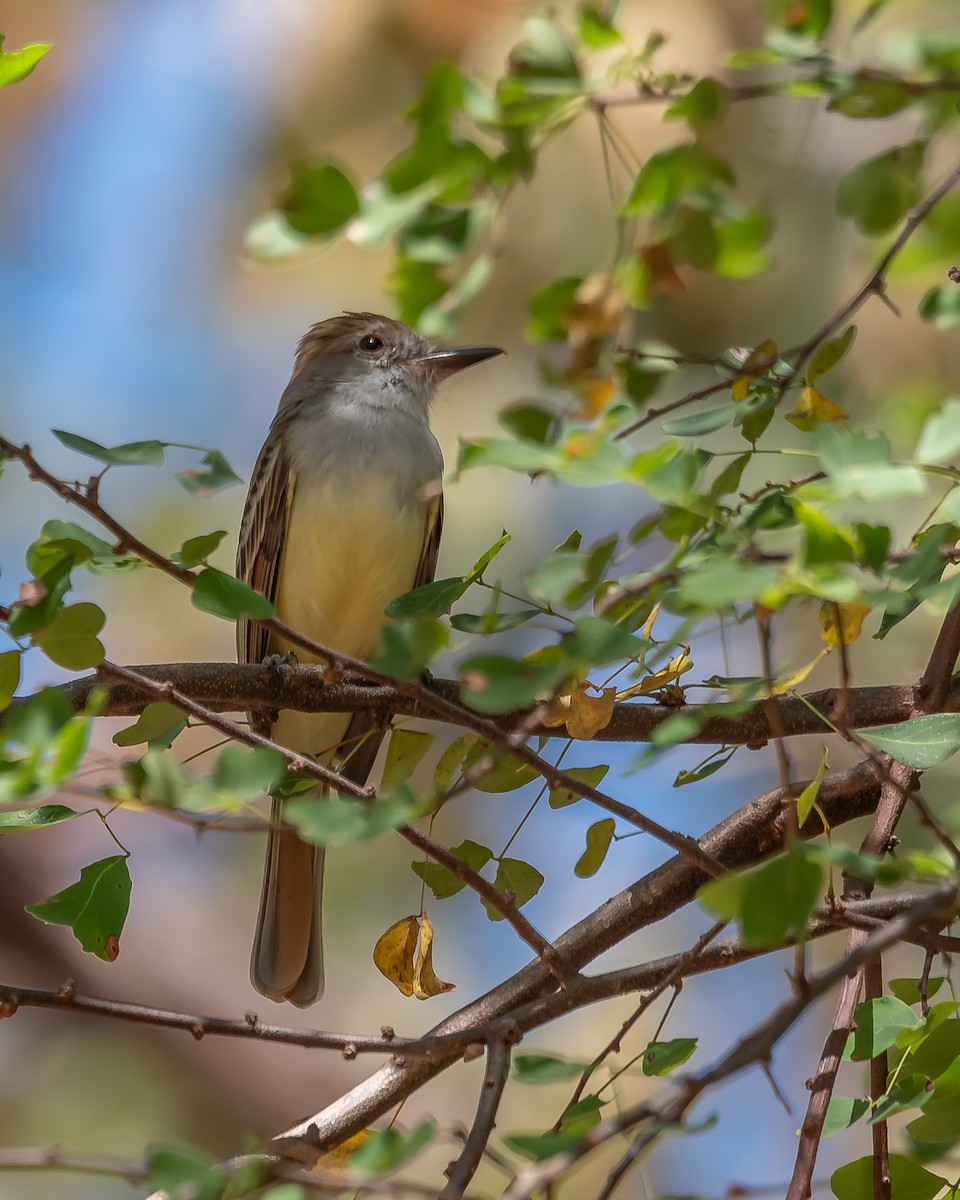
[[232, 687], [747, 836]]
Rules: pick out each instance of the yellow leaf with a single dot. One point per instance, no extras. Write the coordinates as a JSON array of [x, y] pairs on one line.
[[595, 393], [425, 981], [404, 954], [647, 632], [788, 682], [338, 1158], [813, 408], [740, 389], [394, 953], [596, 311], [843, 633], [584, 715], [677, 666]]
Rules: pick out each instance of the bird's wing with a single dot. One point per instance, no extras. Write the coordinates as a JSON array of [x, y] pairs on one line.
[[262, 534]]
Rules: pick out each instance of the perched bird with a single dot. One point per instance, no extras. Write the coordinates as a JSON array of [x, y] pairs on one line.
[[343, 514]]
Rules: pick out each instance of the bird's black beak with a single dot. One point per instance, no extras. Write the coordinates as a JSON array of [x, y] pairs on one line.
[[442, 363]]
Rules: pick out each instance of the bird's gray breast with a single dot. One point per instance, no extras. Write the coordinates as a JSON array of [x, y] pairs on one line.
[[351, 442]]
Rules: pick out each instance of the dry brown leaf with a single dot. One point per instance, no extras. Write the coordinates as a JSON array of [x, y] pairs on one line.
[[596, 311], [661, 269]]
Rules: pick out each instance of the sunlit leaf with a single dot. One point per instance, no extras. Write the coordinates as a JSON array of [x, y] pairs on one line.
[[95, 908]]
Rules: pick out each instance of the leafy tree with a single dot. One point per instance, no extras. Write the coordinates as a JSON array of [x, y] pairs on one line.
[[765, 506]]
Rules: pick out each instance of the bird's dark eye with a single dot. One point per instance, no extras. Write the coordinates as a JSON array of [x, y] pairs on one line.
[[370, 342]]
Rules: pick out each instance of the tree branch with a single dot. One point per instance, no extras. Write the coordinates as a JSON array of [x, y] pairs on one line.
[[236, 687]]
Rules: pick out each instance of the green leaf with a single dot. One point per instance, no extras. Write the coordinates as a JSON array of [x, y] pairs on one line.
[[506, 775], [704, 105], [336, 821], [540, 1146], [871, 98], [495, 683], [878, 193], [596, 30], [269, 237], [487, 557], [35, 818], [492, 622], [830, 353], [406, 648], [920, 743], [529, 422], [243, 772], [546, 1068], [940, 305], [842, 1112], [431, 600], [439, 235], [320, 199], [740, 246], [940, 439], [859, 466], [69, 531], [95, 908], [148, 453], [17, 64], [217, 475], [709, 766], [877, 1024], [221, 594], [700, 423], [940, 1119], [686, 172], [158, 724], [660, 1058], [548, 311], [451, 760], [811, 19], [182, 1170], [197, 550], [441, 880], [404, 753], [808, 797], [560, 797], [771, 903], [70, 639], [910, 1091], [596, 641], [544, 53], [440, 318], [599, 837], [908, 990], [908, 1180], [9, 676], [515, 878], [386, 1149], [583, 1116]]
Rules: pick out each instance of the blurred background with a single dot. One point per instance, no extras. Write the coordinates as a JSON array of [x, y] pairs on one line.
[[134, 159]]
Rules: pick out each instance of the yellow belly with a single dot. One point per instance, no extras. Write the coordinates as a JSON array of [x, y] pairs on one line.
[[348, 552]]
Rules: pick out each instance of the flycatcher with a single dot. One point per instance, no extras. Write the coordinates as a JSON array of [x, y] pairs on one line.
[[343, 514]]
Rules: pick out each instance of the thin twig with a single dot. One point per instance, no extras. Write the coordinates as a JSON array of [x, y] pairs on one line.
[[494, 1081]]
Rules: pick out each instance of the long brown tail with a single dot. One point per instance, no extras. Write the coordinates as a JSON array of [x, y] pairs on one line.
[[287, 959]]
